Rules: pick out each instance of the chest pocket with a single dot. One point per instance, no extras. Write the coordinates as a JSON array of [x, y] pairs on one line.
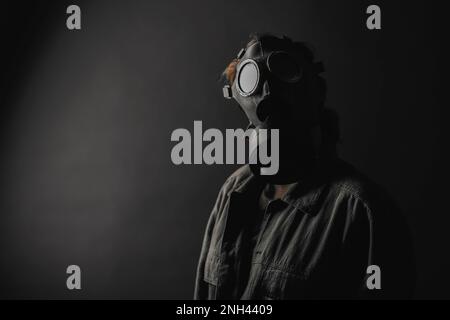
[[277, 284]]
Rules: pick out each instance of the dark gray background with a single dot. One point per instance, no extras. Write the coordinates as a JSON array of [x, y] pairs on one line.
[[86, 119]]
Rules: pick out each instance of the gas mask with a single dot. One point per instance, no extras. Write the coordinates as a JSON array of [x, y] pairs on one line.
[[274, 85]]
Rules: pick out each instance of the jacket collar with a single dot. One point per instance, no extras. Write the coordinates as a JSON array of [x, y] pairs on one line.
[[304, 195]]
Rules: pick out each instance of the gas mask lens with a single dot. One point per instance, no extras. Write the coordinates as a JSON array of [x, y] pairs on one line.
[[280, 64], [284, 67], [248, 77]]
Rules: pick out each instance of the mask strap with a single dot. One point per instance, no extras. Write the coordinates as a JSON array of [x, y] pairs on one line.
[[240, 54], [250, 126]]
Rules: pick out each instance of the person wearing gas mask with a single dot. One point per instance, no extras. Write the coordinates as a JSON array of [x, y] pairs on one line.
[[317, 229]]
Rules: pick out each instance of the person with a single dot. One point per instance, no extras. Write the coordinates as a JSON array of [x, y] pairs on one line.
[[317, 229]]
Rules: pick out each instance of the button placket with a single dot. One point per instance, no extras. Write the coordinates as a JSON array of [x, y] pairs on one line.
[[267, 215]]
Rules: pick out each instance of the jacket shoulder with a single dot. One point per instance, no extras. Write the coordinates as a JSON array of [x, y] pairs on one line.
[[237, 178], [352, 183]]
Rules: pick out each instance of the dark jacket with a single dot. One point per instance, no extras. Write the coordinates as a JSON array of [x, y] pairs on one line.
[[317, 242]]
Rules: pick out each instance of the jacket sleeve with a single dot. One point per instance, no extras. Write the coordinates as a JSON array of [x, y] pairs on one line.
[[201, 287]]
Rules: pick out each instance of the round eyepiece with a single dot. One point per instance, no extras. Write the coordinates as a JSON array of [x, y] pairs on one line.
[[248, 77]]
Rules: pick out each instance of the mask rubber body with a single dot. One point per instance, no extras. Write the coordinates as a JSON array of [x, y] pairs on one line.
[[279, 104]]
